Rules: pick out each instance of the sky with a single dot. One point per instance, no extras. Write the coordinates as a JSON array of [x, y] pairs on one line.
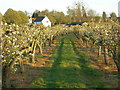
[[60, 5]]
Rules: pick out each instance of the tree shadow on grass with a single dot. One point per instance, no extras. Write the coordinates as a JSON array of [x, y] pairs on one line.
[[94, 75], [55, 67], [79, 75]]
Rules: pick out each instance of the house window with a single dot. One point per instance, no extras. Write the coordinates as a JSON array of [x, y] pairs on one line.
[[46, 21]]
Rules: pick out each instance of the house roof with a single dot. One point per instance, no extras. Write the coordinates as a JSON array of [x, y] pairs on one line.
[[39, 19]]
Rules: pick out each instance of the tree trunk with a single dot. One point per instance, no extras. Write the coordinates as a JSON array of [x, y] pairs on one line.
[[52, 39], [119, 76], [33, 55], [5, 77], [21, 65], [86, 44], [6, 70], [105, 56], [117, 62], [99, 50], [118, 68], [40, 48], [49, 42]]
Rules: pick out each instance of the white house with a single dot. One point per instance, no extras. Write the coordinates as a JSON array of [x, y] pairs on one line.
[[42, 20]]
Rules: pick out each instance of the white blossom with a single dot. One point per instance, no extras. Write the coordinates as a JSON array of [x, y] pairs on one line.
[[5, 23], [13, 53], [17, 26], [6, 36], [9, 41], [13, 24], [14, 32], [15, 69], [8, 50], [10, 27], [2, 56], [28, 38]]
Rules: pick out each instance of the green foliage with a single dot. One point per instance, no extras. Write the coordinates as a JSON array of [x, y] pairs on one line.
[[91, 13], [84, 12], [35, 14], [24, 17], [59, 17], [1, 17], [113, 16], [12, 16], [69, 70], [104, 16], [76, 12]]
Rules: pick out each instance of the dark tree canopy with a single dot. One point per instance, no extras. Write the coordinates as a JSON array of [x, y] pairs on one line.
[[35, 14], [1, 17], [24, 17], [17, 17], [84, 12], [113, 16], [12, 16], [91, 13], [104, 16]]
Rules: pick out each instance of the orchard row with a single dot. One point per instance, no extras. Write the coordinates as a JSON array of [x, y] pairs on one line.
[[22, 41]]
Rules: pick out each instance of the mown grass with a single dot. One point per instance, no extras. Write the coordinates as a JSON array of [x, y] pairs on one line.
[[70, 69]]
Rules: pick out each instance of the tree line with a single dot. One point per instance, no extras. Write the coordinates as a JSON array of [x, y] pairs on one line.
[[77, 13], [17, 17]]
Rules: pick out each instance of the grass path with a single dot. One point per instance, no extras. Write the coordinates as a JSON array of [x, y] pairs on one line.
[[69, 68]]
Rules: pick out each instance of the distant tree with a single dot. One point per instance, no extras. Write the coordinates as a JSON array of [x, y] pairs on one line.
[[44, 12], [49, 14], [113, 16], [84, 12], [69, 11], [59, 17], [104, 17], [78, 11], [67, 19], [119, 20], [29, 14], [24, 17], [12, 16], [75, 12], [91, 13], [1, 17], [35, 14]]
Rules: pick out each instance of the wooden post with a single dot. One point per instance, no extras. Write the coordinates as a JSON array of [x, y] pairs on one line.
[[105, 56], [33, 55], [99, 50]]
